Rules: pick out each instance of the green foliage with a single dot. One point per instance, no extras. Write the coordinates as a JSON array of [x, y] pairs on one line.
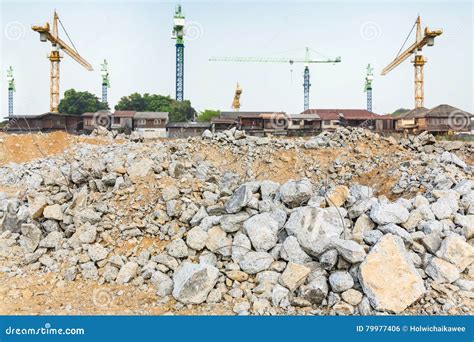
[[80, 102], [178, 111], [399, 112], [207, 115]]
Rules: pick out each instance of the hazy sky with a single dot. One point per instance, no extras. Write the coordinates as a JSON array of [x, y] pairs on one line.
[[135, 38]]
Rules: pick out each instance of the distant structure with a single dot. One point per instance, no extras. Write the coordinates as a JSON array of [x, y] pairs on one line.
[[368, 86], [236, 101], [178, 34], [11, 89], [104, 72]]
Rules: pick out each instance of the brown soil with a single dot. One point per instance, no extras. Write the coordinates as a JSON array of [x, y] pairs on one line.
[[20, 148]]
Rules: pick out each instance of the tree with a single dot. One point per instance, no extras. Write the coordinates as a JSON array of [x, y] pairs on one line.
[[79, 102], [178, 111], [208, 114], [399, 112]]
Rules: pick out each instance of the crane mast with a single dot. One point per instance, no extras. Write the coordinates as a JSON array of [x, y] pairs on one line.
[[306, 61], [104, 72], [422, 38], [178, 34], [11, 89], [368, 86], [47, 34]]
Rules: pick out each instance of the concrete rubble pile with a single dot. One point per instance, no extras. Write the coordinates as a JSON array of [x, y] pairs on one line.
[[254, 246]]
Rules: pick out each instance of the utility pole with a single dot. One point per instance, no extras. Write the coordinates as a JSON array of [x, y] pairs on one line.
[[368, 86], [11, 89], [178, 34], [104, 72]]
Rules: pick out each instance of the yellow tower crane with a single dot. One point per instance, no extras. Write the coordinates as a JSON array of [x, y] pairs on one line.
[[54, 57], [419, 61], [236, 102]]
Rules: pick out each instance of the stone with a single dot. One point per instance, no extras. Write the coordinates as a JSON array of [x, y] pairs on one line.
[[127, 272], [280, 296], [372, 236], [31, 236], [97, 252], [241, 308], [352, 296], [432, 241], [52, 240], [240, 246], [342, 308], [416, 216], [237, 275], [294, 276], [392, 228], [361, 191], [170, 193], [110, 273], [388, 277], [341, 281], [196, 238], [177, 249], [445, 206], [315, 291], [53, 212], [269, 189], [176, 169], [162, 283], [328, 259], [87, 233], [292, 251], [193, 282], [233, 222], [349, 250], [36, 205], [442, 271], [363, 224], [457, 251], [449, 157], [385, 213], [218, 242], [139, 169], [89, 271], [262, 231], [317, 227], [360, 207], [239, 199], [337, 196], [254, 262], [199, 216], [295, 193]]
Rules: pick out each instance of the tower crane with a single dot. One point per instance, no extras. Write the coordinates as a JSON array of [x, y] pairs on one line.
[[104, 72], [11, 89], [236, 102], [47, 34], [178, 34], [306, 61], [368, 86], [422, 39]]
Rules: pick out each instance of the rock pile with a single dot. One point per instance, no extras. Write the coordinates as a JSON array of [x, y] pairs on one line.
[[255, 246]]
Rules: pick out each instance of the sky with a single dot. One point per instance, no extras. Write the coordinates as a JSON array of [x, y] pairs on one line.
[[135, 38]]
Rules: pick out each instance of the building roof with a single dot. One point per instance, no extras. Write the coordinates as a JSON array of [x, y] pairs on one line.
[[222, 120], [38, 116], [444, 111], [414, 113], [304, 116], [151, 115], [188, 125], [235, 115], [101, 112], [347, 114], [124, 113]]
